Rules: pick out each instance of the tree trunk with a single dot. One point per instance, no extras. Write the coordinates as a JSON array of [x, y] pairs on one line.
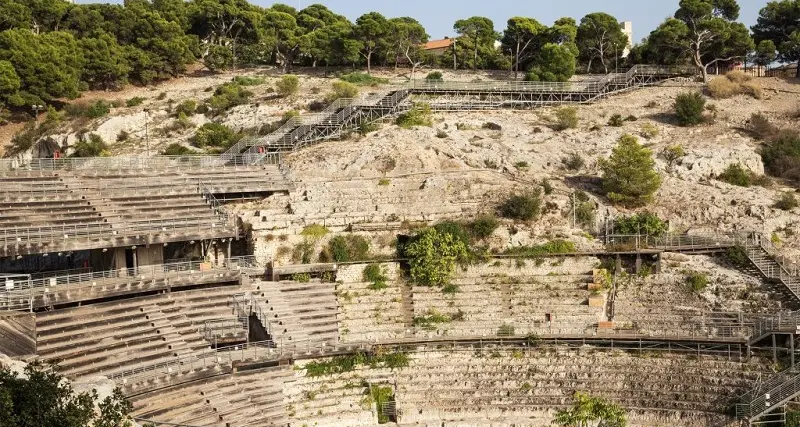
[[797, 72], [475, 64], [369, 62], [589, 67], [516, 66]]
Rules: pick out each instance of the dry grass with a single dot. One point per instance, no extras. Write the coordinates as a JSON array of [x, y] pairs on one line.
[[732, 84]]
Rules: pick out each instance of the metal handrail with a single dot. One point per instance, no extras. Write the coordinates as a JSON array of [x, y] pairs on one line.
[[109, 163]]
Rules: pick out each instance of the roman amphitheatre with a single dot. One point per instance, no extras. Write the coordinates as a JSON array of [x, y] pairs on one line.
[[438, 250]]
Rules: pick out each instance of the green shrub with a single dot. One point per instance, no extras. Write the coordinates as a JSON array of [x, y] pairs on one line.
[[782, 156], [363, 79], [214, 135], [737, 255], [689, 108], [786, 202], [521, 165], [98, 109], [629, 176], [366, 128], [736, 174], [553, 247], [483, 226], [314, 231], [547, 187], [673, 153], [134, 102], [123, 136], [374, 274], [342, 90], [301, 277], [94, 146], [645, 223], [430, 320], [419, 115], [523, 207], [187, 108], [616, 120], [566, 118], [248, 81], [228, 96], [176, 149], [434, 75], [761, 128], [697, 281], [288, 85], [348, 248], [441, 134], [573, 162], [432, 256], [348, 363], [648, 131]]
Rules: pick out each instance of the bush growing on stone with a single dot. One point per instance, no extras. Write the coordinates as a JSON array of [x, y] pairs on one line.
[[419, 115], [434, 75], [349, 247], [373, 273], [228, 96], [94, 146], [483, 226], [522, 207], [736, 174], [697, 281], [616, 120], [761, 128], [342, 90], [646, 223], [432, 256], [689, 108], [629, 177], [288, 85], [248, 81], [573, 162], [134, 102], [188, 108], [214, 135], [176, 149], [98, 109], [782, 156], [363, 79], [732, 84], [566, 118], [557, 246], [673, 153], [786, 202]]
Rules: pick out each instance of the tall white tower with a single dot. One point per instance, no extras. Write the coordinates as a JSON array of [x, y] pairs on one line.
[[627, 29]]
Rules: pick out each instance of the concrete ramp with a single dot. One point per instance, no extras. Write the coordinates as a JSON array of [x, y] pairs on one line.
[[17, 334]]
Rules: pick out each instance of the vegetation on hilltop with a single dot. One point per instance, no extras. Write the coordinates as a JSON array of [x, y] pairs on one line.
[[51, 49]]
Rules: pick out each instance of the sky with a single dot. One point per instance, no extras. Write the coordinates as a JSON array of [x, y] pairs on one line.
[[438, 16]]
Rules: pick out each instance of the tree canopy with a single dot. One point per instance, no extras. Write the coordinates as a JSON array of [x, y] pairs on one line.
[[779, 23], [43, 398], [629, 177], [600, 38]]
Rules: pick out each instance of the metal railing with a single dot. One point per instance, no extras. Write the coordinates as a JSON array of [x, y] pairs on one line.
[[773, 393], [98, 164], [788, 321], [71, 281], [215, 329], [675, 241], [260, 351]]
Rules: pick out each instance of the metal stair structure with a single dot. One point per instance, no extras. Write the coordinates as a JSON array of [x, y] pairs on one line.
[[348, 114], [766, 402], [773, 266]]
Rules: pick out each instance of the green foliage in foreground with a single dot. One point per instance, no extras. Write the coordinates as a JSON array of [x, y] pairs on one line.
[[552, 247], [588, 411], [348, 363], [629, 175], [374, 274], [433, 256], [42, 397], [646, 223], [419, 115]]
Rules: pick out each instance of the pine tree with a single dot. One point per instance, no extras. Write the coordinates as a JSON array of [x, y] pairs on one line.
[[629, 177]]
